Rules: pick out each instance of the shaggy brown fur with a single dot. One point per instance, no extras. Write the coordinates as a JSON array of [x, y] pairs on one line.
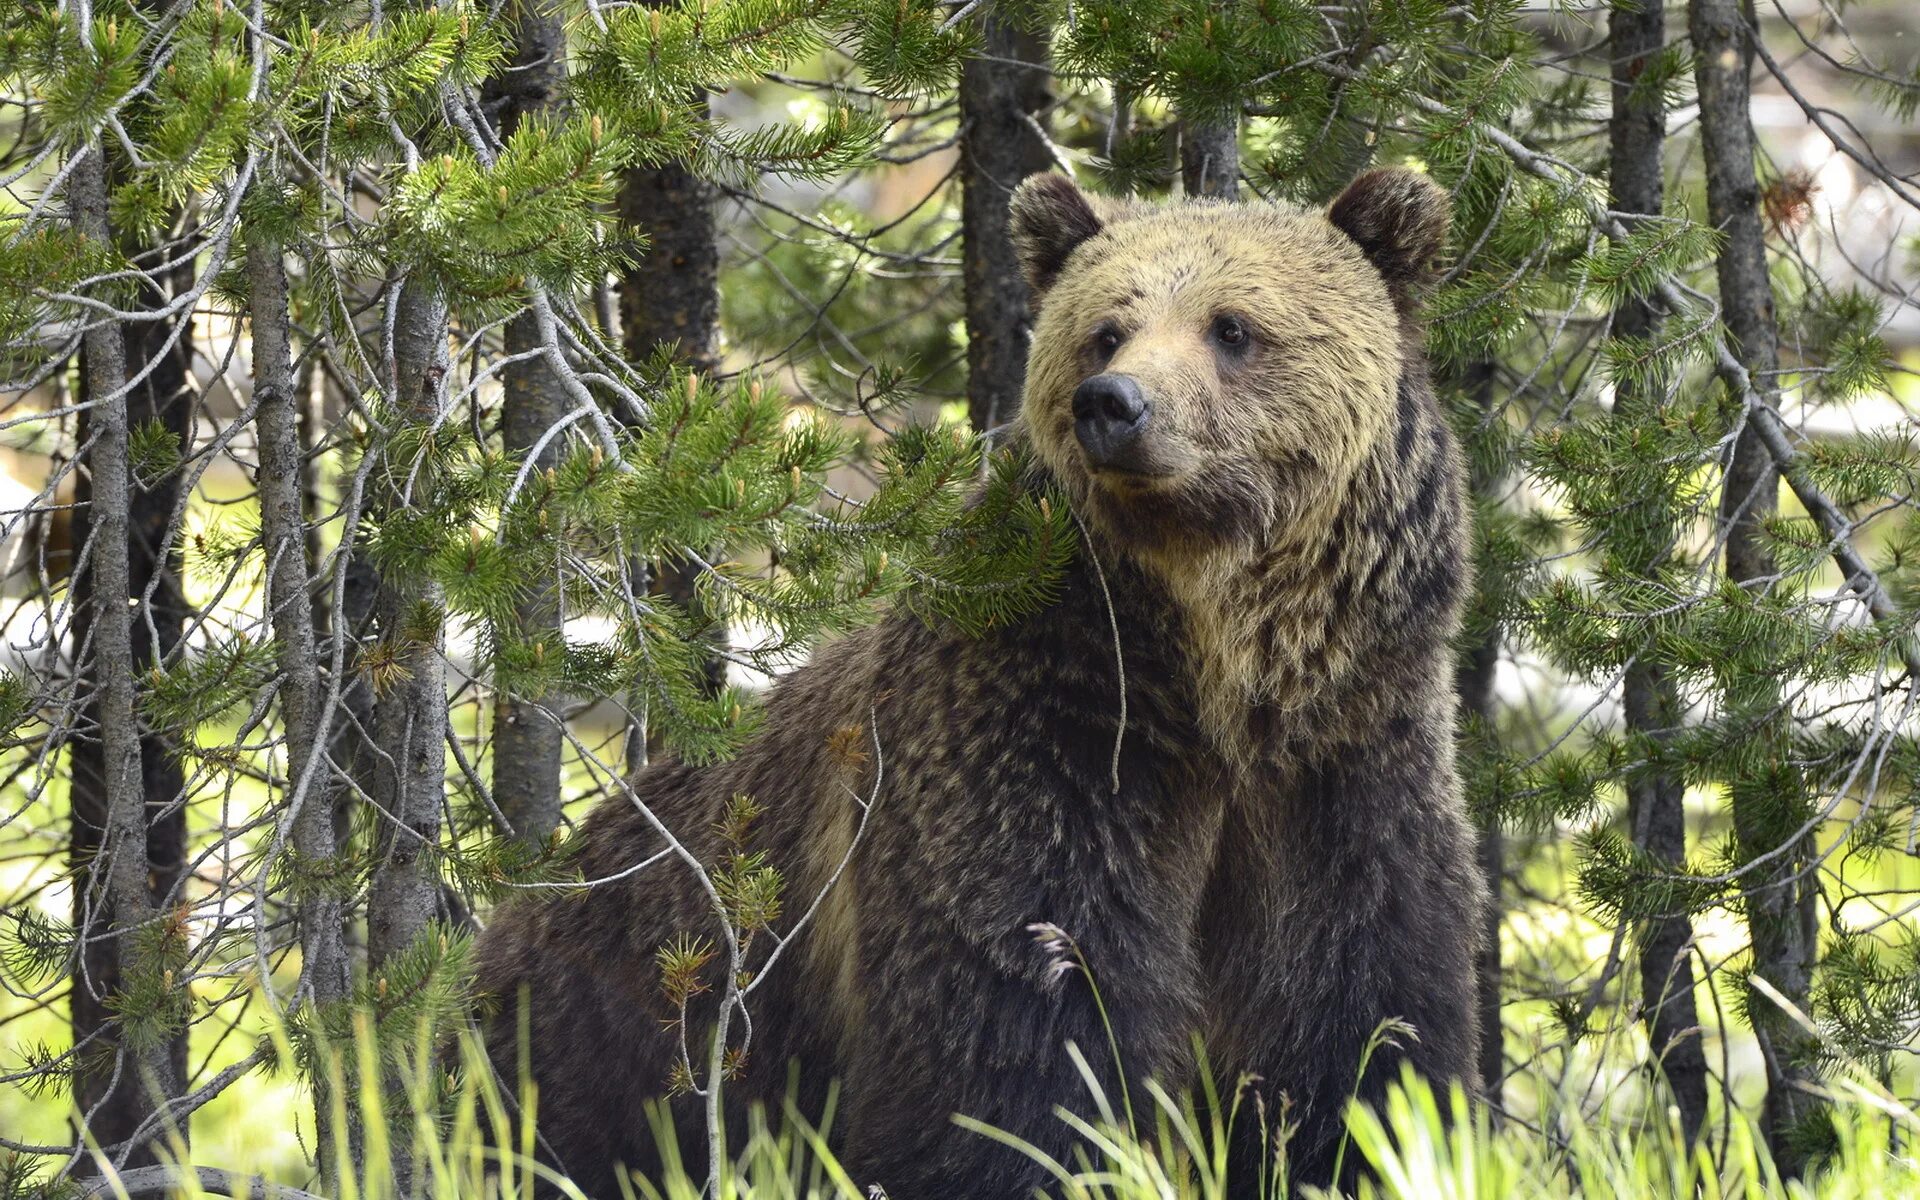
[[1284, 862]]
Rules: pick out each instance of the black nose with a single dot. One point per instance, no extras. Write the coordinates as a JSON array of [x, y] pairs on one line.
[[1109, 417]]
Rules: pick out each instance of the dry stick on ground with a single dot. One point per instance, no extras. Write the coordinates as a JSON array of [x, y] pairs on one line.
[[325, 968], [172, 1180], [526, 739], [1782, 907], [118, 878], [1003, 91], [1655, 798]]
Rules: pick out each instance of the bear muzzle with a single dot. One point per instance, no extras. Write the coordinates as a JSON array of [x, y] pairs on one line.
[[1110, 418]]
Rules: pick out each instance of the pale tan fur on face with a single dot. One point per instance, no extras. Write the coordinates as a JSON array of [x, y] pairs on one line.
[[1309, 399], [1302, 411]]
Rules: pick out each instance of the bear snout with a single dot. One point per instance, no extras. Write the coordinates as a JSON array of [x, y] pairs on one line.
[[1110, 417]]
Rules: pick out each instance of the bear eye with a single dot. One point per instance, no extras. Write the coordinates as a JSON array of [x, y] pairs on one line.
[[1231, 331], [1106, 340]]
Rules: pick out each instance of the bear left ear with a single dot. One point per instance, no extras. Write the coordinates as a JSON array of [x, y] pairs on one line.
[[1399, 219], [1050, 217]]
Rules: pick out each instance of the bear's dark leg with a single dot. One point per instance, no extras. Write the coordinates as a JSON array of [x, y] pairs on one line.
[[1343, 899], [973, 1037]]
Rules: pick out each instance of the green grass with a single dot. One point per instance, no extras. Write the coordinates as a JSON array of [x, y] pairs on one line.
[[1418, 1145]]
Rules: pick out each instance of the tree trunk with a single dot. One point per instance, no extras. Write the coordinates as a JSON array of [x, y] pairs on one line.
[[410, 715], [326, 971], [120, 787], [671, 298], [1001, 143], [408, 755], [1781, 902], [1655, 798], [670, 301], [1473, 687], [527, 742], [1210, 158], [1210, 152]]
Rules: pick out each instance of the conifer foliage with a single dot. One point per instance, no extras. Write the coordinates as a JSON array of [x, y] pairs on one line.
[[417, 411]]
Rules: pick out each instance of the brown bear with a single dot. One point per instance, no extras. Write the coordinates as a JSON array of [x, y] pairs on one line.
[[1221, 760]]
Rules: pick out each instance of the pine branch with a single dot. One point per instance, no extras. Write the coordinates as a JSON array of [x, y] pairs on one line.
[[1771, 428]]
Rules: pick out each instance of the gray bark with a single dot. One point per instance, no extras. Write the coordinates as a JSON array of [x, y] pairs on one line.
[[410, 717], [1001, 143], [1781, 907], [526, 742], [116, 893], [163, 396], [326, 970], [670, 300], [408, 755], [1210, 158], [1723, 63], [1473, 688], [1656, 813], [1210, 153], [671, 297]]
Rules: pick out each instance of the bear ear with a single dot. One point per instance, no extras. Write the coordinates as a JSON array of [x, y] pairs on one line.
[[1050, 217], [1399, 219]]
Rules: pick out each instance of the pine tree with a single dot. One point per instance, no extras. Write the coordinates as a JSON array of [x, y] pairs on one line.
[[123, 1070], [1004, 94], [307, 821], [1769, 798], [1648, 525], [527, 738], [670, 311]]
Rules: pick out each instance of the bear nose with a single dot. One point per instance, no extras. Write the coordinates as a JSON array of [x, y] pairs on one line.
[[1109, 417]]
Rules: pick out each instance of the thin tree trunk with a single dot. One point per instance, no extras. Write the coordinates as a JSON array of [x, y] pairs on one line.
[[1656, 812], [410, 715], [670, 301], [670, 298], [408, 755], [163, 397], [527, 742], [1723, 60], [1210, 152], [1001, 143], [1210, 158], [1781, 904], [120, 881], [1473, 687], [326, 971]]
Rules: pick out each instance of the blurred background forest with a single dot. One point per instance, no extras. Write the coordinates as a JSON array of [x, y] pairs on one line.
[[416, 417]]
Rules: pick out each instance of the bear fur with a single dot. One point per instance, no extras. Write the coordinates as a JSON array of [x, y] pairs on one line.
[[1221, 760]]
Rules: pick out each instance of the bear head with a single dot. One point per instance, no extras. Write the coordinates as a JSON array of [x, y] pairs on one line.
[[1206, 376]]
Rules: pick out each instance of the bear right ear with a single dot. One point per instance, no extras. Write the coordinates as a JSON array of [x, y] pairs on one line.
[[1399, 219], [1050, 217]]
